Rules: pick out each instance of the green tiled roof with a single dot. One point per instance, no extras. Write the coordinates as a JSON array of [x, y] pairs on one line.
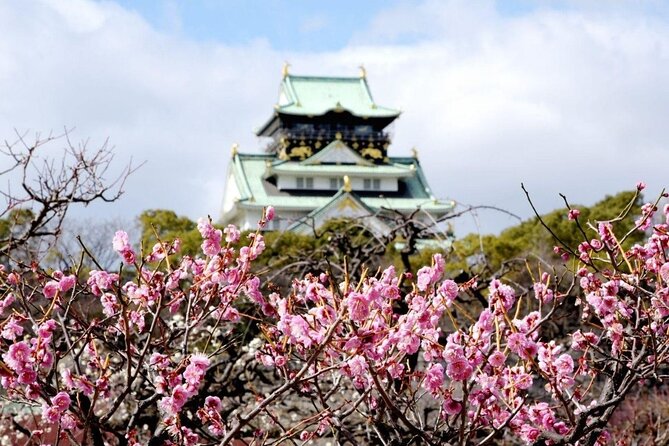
[[308, 95], [381, 170], [304, 223], [249, 172]]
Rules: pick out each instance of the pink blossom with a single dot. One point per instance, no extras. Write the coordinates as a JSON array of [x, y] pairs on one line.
[[120, 241], [17, 356], [424, 278], [61, 401], [606, 234], [573, 214], [434, 378], [27, 376], [521, 345], [200, 362], [396, 370], [581, 341], [449, 289], [564, 364], [356, 366], [502, 297], [664, 272], [179, 397], [523, 380], [67, 282], [159, 360], [429, 275], [459, 369], [211, 247], [13, 278], [109, 304], [46, 329], [50, 414], [213, 402], [232, 234], [543, 293], [497, 359], [68, 422], [50, 289], [84, 385], [12, 328], [7, 302], [529, 434], [269, 213], [358, 307], [452, 407], [596, 244], [122, 246], [66, 375], [100, 281], [59, 404], [645, 220]]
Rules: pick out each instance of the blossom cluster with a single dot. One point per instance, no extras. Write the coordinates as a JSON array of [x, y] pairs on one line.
[[92, 354]]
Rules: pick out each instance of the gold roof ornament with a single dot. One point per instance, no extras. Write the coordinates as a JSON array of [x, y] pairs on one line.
[[235, 150], [284, 70], [347, 184], [414, 153], [363, 72]]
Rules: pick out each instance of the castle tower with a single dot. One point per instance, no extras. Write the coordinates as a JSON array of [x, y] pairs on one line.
[[327, 157]]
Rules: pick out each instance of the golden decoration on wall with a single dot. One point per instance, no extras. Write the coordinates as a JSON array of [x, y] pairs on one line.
[[347, 184], [301, 152], [372, 152], [347, 203]]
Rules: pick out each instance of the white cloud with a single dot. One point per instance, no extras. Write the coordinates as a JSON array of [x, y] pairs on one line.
[[571, 100]]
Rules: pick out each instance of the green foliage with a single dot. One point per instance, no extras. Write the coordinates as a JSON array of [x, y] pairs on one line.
[[340, 238], [284, 247], [531, 238], [16, 219], [167, 225]]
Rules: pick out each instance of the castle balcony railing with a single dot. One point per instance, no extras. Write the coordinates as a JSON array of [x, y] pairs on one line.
[[327, 133]]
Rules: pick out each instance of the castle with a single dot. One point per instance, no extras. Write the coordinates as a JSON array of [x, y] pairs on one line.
[[327, 158]]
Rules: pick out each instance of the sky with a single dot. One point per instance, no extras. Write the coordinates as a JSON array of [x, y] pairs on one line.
[[565, 96]]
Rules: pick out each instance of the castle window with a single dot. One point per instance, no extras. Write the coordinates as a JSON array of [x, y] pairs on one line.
[[304, 183], [371, 184], [336, 183], [363, 129]]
